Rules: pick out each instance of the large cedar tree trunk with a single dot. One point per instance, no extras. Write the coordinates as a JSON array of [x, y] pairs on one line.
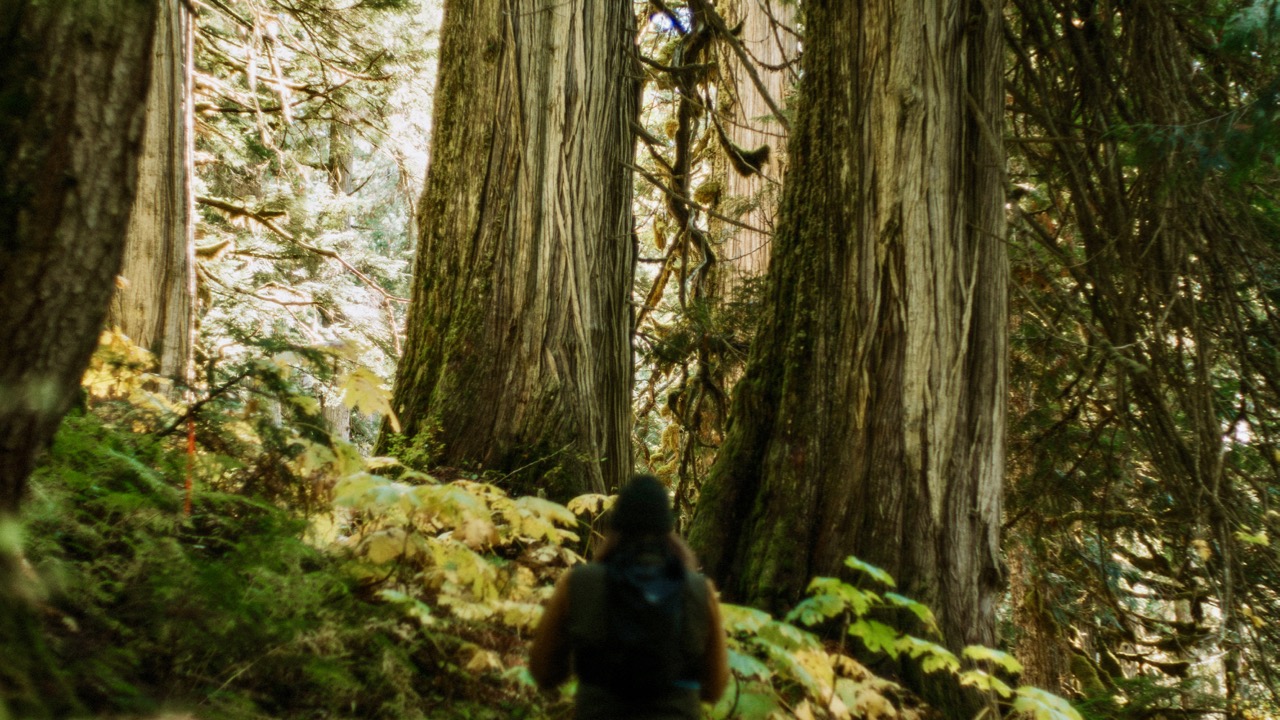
[[73, 85], [763, 31], [518, 353], [155, 304], [871, 417]]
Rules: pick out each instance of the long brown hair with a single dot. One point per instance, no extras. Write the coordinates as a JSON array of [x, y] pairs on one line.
[[672, 543]]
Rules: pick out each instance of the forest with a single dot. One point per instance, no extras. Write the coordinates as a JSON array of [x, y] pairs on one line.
[[333, 327]]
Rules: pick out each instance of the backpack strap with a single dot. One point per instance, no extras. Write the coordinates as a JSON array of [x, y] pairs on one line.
[[588, 626]]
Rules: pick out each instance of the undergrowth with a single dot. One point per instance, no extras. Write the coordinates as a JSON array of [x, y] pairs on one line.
[[235, 610], [308, 580], [226, 612]]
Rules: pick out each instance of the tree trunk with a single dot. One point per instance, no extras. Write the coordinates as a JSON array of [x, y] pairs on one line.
[[73, 79], [342, 144], [518, 354], [871, 417], [155, 304], [750, 125]]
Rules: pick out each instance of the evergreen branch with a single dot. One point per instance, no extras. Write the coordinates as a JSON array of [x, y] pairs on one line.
[[196, 406], [273, 227]]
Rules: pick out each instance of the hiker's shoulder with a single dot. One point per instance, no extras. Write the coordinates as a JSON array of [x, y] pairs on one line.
[[699, 583]]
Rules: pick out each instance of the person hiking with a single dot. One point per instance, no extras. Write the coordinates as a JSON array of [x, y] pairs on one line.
[[639, 626]]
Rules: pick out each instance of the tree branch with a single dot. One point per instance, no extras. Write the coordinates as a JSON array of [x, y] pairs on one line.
[[657, 182], [273, 227], [718, 24]]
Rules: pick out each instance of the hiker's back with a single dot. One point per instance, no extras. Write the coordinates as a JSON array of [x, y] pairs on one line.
[[639, 637], [639, 627]]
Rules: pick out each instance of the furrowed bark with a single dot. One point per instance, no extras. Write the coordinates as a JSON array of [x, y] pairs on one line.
[[155, 305], [871, 417], [73, 78], [518, 356]]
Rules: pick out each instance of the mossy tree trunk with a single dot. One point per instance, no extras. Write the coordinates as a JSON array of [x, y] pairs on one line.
[[155, 304], [73, 87], [871, 417], [518, 354]]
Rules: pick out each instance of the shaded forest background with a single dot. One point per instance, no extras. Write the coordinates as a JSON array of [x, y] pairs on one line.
[[245, 513]]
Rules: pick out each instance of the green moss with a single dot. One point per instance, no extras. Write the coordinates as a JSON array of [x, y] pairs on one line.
[[545, 468], [421, 452]]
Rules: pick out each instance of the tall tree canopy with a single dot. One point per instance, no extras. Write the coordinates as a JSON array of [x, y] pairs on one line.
[[518, 352]]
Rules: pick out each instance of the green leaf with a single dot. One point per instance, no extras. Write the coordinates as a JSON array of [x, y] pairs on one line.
[[920, 610], [1254, 538], [933, 657], [877, 636], [859, 601], [985, 681], [757, 706], [1043, 705], [876, 573], [413, 607], [788, 665], [788, 637], [740, 620], [357, 490], [745, 666], [813, 610], [1003, 659]]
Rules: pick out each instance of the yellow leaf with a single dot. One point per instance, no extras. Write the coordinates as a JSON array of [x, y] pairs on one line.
[[1202, 549], [985, 681], [287, 361], [837, 707], [464, 610], [306, 404], [591, 503], [554, 512], [872, 705], [363, 391], [379, 461], [385, 546], [521, 615], [314, 458], [1043, 705], [1001, 658], [478, 533], [483, 660]]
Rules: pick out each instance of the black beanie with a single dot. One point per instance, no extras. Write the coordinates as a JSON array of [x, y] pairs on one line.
[[643, 508]]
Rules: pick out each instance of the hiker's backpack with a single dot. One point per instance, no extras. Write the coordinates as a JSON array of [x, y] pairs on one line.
[[637, 629]]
